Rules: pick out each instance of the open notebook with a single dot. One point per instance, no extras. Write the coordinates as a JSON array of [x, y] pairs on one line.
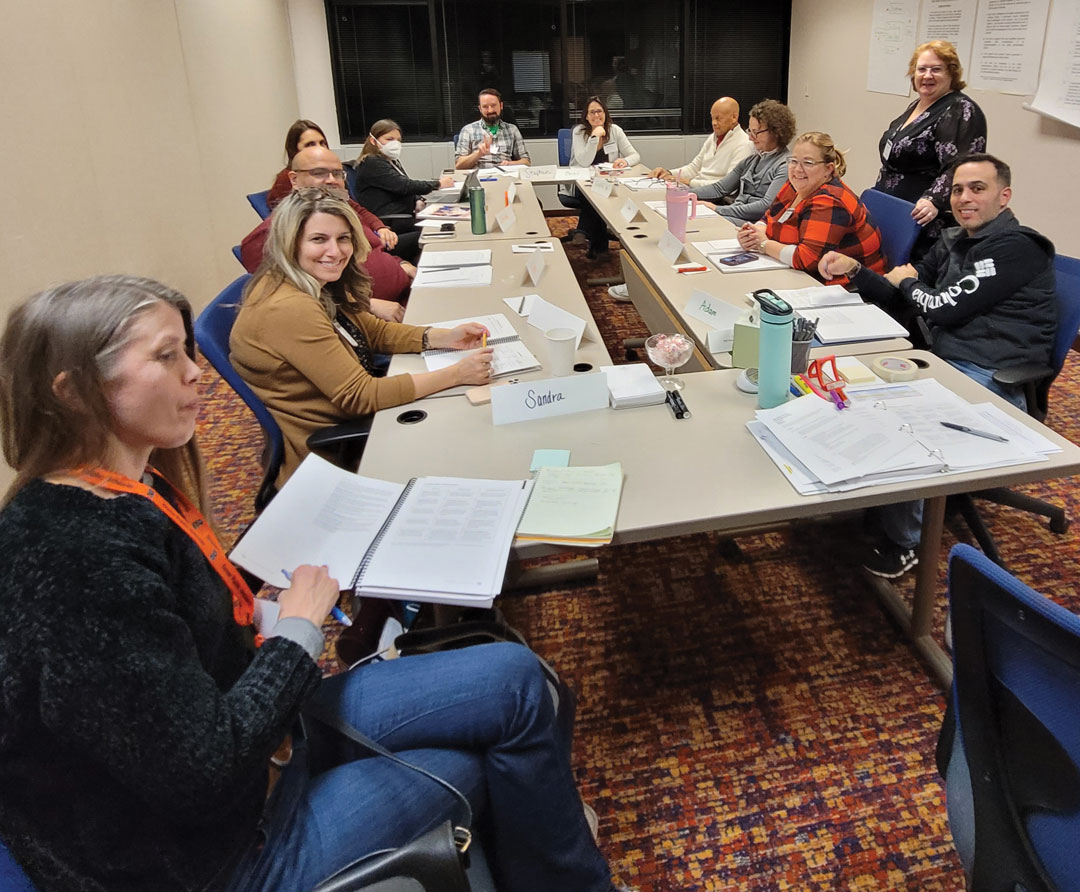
[[509, 356], [439, 539]]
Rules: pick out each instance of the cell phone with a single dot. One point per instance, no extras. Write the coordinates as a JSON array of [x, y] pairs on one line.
[[447, 227], [737, 259]]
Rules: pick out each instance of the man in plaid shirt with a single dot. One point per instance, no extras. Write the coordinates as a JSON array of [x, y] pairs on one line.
[[490, 141]]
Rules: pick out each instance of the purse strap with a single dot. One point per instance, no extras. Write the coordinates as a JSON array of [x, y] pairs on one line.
[[462, 831]]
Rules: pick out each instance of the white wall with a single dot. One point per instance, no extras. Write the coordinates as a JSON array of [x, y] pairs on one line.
[[827, 91]]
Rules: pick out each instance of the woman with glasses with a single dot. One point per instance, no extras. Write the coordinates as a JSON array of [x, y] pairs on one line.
[[918, 147], [814, 213], [303, 134], [595, 140], [755, 181]]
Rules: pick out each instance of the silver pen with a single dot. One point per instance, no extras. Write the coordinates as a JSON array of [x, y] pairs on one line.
[[975, 433]]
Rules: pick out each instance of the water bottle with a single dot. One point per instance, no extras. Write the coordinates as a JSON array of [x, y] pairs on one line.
[[477, 215], [774, 349], [676, 198]]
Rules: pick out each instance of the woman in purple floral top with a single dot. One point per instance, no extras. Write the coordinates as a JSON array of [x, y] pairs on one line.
[[938, 127]]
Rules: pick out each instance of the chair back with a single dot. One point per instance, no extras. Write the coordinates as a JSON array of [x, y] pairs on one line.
[[1067, 276], [564, 147], [12, 878], [892, 216], [237, 254], [212, 330], [1016, 690], [258, 200]]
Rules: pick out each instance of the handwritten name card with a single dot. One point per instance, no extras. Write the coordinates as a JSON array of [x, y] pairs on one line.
[[603, 186], [548, 398]]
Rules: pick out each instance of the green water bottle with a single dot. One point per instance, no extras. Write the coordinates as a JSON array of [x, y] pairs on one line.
[[476, 210]]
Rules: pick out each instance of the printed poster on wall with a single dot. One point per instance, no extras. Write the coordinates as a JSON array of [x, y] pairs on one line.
[[951, 20], [1059, 80], [1008, 45], [892, 38]]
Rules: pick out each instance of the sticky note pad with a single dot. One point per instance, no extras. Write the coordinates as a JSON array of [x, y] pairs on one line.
[[550, 458]]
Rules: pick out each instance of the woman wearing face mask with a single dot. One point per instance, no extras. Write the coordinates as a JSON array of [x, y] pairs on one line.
[[379, 182]]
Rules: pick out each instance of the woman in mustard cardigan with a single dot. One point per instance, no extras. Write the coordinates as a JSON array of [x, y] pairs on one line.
[[304, 340]]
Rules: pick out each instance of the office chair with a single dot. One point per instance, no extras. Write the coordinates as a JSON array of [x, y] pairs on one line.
[[564, 147], [1036, 380], [259, 202], [893, 218], [12, 878], [344, 442], [236, 253], [1015, 712]]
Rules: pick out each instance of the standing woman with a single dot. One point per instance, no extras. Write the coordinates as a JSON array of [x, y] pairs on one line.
[[143, 720], [378, 180], [596, 140], [814, 213], [303, 134], [918, 147]]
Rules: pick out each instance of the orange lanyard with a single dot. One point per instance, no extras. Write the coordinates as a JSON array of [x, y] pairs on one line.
[[188, 518]]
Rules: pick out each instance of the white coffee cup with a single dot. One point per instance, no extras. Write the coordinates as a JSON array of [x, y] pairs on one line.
[[562, 342]]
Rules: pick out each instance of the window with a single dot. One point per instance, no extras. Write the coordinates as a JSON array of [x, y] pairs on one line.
[[658, 64]]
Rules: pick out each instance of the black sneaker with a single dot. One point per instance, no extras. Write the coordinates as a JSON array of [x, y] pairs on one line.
[[890, 561]]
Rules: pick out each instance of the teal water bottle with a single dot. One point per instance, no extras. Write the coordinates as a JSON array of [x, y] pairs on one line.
[[774, 348], [477, 215]]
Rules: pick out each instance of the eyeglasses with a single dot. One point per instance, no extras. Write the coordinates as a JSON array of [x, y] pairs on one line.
[[930, 69], [595, 111], [758, 132], [322, 173], [808, 166]]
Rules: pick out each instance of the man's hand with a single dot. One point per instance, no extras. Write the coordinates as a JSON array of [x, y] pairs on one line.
[[485, 147], [924, 211], [898, 273], [834, 264], [389, 310], [446, 181], [388, 237]]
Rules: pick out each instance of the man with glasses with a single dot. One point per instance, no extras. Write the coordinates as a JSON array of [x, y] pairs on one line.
[[391, 277], [491, 141], [725, 147]]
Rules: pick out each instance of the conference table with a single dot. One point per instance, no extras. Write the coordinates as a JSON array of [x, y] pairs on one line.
[[529, 219]]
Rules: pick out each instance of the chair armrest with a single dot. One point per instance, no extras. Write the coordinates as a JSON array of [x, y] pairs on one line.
[[1018, 375], [346, 432]]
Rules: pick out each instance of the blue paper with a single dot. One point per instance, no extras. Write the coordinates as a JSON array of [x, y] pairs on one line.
[[550, 458]]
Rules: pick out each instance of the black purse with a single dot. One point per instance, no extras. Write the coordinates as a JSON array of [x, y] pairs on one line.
[[436, 860]]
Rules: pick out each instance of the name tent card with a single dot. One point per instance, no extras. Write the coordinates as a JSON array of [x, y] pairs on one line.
[[719, 314], [505, 218], [534, 269], [511, 193], [546, 316], [670, 247], [603, 186], [544, 172], [548, 398], [630, 212]]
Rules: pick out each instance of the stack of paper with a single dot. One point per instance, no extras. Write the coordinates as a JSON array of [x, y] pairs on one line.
[[573, 506], [848, 324], [509, 354], [726, 247], [453, 269], [819, 296], [444, 212], [632, 385], [661, 208], [639, 184]]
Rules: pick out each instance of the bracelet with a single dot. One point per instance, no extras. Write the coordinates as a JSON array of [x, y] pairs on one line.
[[761, 247], [424, 344], [854, 270]]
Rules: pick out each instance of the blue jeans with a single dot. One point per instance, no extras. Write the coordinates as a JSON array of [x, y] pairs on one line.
[[481, 718], [902, 523]]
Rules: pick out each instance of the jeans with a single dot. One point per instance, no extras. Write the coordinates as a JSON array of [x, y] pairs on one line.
[[481, 718], [593, 225], [902, 523]]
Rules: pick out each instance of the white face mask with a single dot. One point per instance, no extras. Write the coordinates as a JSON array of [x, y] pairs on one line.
[[391, 149]]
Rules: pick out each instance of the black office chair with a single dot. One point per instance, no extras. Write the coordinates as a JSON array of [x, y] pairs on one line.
[[343, 442], [1036, 380], [1015, 713]]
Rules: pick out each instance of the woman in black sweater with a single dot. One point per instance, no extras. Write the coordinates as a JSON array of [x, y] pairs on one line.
[[140, 712]]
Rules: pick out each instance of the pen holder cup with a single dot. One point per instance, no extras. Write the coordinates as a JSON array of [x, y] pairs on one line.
[[800, 356]]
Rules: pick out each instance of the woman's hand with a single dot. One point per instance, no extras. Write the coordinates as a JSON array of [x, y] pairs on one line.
[[924, 211], [751, 235], [312, 593], [835, 264], [598, 130], [464, 337], [475, 368], [446, 181], [389, 310], [661, 173], [388, 237], [708, 204], [619, 163]]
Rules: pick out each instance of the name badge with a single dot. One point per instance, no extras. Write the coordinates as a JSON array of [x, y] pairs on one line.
[[670, 246], [784, 217], [887, 151], [603, 186], [548, 398]]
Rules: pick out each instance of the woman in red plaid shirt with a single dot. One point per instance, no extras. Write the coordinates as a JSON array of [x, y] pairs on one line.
[[814, 213]]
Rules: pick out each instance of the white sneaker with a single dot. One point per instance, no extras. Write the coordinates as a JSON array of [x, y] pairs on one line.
[[619, 292]]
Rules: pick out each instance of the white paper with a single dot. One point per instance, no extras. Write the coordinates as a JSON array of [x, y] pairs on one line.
[[534, 269], [453, 259], [470, 276], [670, 247], [505, 219], [632, 384], [506, 359], [1008, 45], [522, 304], [511, 193], [497, 324], [629, 211], [819, 296], [444, 212], [951, 20], [892, 38], [701, 211], [639, 184], [548, 398], [546, 316], [532, 247], [1058, 95], [322, 515], [603, 186], [865, 322], [725, 247], [436, 224]]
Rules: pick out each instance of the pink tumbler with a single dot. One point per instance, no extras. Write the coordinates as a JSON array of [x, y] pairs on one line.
[[677, 197]]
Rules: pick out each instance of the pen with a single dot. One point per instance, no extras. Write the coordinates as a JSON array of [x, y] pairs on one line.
[[977, 433], [669, 397], [794, 390], [681, 403], [692, 269], [335, 611], [483, 339]]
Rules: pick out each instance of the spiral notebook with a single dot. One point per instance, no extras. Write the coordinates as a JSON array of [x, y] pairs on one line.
[[439, 539], [509, 355]]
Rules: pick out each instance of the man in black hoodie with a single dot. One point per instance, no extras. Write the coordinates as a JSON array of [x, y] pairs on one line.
[[986, 290]]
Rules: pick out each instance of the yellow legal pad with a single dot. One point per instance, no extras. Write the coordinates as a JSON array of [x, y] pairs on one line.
[[573, 506]]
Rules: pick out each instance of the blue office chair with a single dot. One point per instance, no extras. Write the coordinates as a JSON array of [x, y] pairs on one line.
[[564, 147], [892, 217], [12, 878], [236, 253], [343, 443], [1015, 712], [258, 200]]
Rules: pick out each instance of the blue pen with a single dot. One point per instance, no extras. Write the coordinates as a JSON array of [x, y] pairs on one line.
[[335, 611], [489, 179]]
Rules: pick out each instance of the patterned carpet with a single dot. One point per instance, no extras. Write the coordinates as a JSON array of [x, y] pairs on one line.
[[749, 719]]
